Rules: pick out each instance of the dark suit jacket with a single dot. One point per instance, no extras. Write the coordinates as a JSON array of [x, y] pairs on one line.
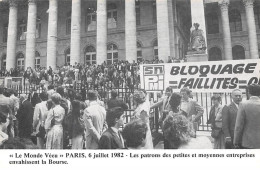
[[229, 115], [110, 140], [35, 99], [116, 103], [25, 119], [247, 127]]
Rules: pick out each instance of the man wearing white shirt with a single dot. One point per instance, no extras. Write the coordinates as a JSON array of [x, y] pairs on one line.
[[39, 117], [94, 118]]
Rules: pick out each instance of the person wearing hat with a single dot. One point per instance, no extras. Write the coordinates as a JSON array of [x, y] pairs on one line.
[[112, 138], [94, 118], [142, 112]]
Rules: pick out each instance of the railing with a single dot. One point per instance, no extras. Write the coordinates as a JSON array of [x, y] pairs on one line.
[[126, 94]]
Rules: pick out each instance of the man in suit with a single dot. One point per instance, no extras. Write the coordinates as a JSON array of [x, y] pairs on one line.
[[229, 115], [94, 118], [25, 117], [112, 138], [34, 97], [247, 128], [115, 102], [193, 110]]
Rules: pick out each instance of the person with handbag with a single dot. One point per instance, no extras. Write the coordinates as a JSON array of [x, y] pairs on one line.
[[215, 119], [53, 124], [39, 117]]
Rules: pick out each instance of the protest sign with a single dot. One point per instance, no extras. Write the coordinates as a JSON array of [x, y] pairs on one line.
[[213, 76]]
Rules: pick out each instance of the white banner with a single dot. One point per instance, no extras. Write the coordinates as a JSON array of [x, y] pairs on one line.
[[210, 76]]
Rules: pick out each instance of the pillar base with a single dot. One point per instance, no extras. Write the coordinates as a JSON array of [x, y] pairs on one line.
[[196, 57]]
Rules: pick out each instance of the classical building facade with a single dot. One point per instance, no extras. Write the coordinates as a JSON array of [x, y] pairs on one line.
[[44, 33], [233, 29]]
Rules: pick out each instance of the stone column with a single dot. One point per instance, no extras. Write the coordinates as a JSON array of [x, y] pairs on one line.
[[130, 31], [101, 31], [223, 4], [31, 34], [163, 30], [250, 18], [171, 7], [75, 32], [52, 34], [12, 35]]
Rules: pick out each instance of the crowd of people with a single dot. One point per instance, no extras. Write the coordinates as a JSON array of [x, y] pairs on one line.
[[61, 118], [51, 120], [117, 73]]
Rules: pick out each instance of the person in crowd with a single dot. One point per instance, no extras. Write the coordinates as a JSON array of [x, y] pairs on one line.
[[34, 97], [5, 103], [174, 103], [164, 102], [94, 118], [39, 117], [115, 102], [50, 90], [5, 107], [14, 108], [112, 138], [247, 127], [164, 105], [135, 133], [178, 130], [229, 113], [3, 127], [77, 126], [215, 119], [53, 124], [66, 105], [18, 143], [142, 111], [25, 117], [101, 103], [191, 107]]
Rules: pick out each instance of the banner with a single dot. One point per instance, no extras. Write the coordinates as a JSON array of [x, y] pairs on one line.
[[13, 81], [210, 76]]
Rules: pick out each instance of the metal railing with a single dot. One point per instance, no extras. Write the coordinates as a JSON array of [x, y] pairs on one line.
[[126, 94]]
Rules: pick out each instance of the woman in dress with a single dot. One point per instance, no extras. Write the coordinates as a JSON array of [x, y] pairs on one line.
[[215, 119], [142, 112], [77, 125], [53, 124]]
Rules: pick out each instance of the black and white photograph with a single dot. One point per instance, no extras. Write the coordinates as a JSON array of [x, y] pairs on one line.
[[123, 75]]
